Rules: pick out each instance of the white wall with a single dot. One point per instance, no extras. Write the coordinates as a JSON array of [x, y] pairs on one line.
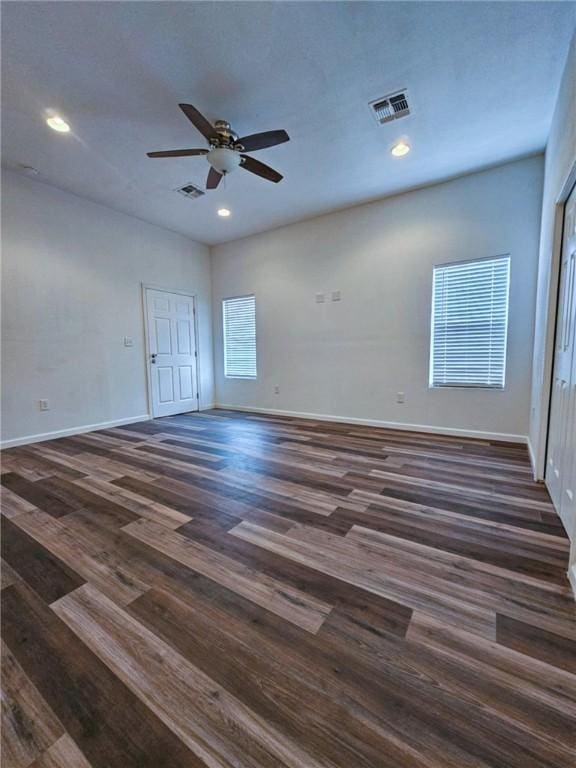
[[560, 162], [72, 274], [349, 359]]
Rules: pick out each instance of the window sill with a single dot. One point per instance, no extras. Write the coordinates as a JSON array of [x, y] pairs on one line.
[[484, 388]]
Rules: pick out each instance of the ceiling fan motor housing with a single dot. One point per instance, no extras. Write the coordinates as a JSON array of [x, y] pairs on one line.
[[223, 160]]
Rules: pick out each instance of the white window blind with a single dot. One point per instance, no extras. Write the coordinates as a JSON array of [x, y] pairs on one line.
[[240, 337], [469, 323]]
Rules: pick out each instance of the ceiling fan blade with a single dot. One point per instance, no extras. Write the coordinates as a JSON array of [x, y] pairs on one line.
[[178, 153], [198, 121], [263, 140], [214, 178], [260, 169]]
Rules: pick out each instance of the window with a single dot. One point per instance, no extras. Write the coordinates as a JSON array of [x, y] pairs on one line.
[[239, 315], [469, 323]]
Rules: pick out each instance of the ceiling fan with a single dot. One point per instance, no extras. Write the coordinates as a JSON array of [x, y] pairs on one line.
[[226, 149]]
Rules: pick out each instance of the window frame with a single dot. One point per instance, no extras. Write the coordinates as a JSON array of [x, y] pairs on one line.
[[483, 387], [235, 376]]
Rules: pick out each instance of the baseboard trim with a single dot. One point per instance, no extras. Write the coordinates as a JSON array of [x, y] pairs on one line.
[[40, 438], [455, 432]]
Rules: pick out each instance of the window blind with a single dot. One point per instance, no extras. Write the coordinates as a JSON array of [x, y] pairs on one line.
[[240, 337], [469, 323]]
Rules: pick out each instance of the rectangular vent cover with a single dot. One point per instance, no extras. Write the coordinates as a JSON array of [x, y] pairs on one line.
[[391, 107], [190, 190]]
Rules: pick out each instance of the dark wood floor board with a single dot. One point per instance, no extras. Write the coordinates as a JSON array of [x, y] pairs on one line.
[[84, 465], [324, 724], [465, 491], [8, 575], [94, 564], [511, 514], [497, 586], [481, 481], [234, 590], [338, 676], [111, 726], [136, 503], [24, 466], [258, 499], [294, 606], [201, 503], [103, 465], [11, 504], [383, 615], [108, 512], [39, 466], [192, 504], [29, 726], [498, 524], [485, 546], [554, 685], [45, 573], [64, 753], [215, 507], [397, 588], [339, 661], [281, 632], [524, 730], [554, 647], [36, 495], [213, 723], [179, 455]]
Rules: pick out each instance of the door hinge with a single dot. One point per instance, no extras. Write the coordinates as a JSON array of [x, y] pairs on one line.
[[197, 396]]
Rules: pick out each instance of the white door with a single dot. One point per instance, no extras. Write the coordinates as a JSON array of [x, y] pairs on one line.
[[172, 353], [561, 459]]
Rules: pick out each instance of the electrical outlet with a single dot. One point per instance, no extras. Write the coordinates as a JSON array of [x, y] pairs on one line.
[[320, 298], [276, 390], [43, 405], [400, 397], [128, 341]]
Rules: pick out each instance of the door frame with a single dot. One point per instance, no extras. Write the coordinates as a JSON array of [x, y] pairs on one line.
[[558, 246], [540, 456], [189, 294]]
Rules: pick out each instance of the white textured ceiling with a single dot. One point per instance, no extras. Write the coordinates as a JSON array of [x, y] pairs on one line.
[[482, 77]]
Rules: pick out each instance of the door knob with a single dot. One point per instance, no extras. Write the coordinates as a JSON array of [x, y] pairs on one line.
[[153, 357]]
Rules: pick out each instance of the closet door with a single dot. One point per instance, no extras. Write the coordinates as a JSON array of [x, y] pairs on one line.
[[561, 465]]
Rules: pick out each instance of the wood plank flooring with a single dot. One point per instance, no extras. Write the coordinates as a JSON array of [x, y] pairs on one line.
[[225, 590]]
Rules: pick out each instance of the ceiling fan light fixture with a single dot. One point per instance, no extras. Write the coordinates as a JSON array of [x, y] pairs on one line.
[[226, 150], [223, 160]]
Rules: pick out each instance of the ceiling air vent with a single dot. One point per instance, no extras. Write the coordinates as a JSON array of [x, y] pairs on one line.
[[190, 190], [391, 107]]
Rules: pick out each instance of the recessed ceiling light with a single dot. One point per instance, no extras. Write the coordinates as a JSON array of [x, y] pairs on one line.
[[58, 124], [400, 149], [224, 212]]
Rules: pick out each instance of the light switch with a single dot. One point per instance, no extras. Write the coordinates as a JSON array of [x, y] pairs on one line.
[[128, 341], [336, 296], [320, 298]]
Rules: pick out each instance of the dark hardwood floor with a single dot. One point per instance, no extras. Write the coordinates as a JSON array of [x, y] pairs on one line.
[[231, 590]]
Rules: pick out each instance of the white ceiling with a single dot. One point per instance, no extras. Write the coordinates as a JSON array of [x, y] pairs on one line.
[[482, 77]]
